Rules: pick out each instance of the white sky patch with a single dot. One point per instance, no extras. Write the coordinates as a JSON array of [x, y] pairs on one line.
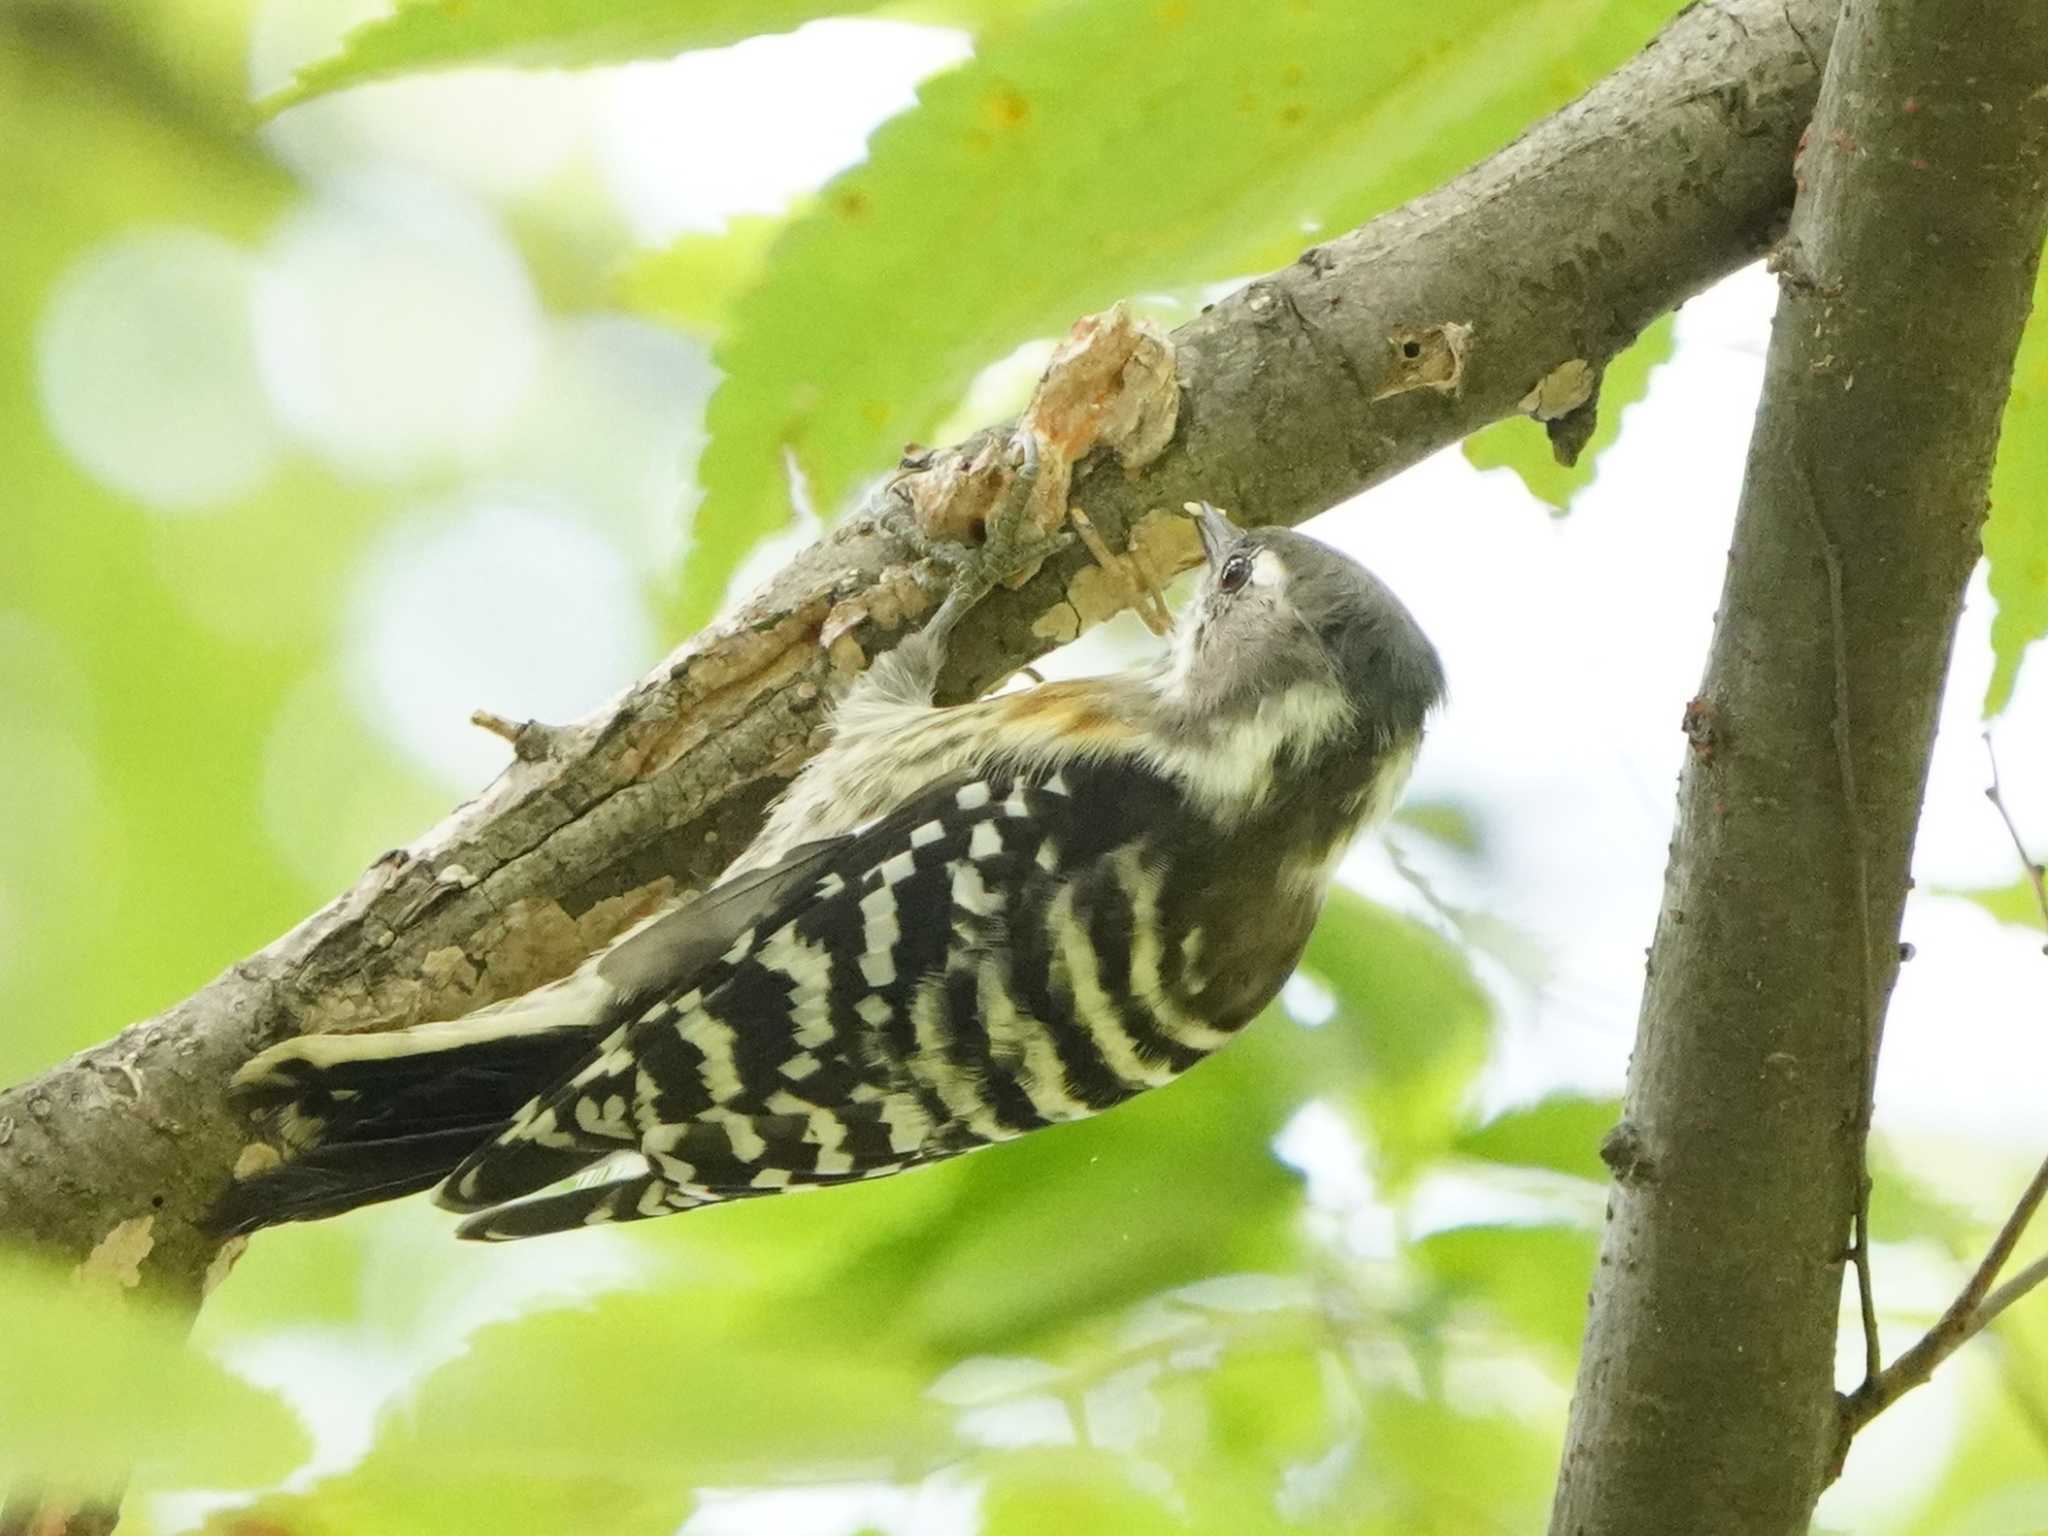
[[982, 1379], [1448, 1198], [692, 141], [1019, 1422], [1345, 1209], [396, 327], [945, 1505], [493, 602], [148, 374]]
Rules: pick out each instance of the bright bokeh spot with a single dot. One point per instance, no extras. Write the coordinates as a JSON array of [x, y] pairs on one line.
[[614, 423], [505, 603], [396, 326], [147, 372]]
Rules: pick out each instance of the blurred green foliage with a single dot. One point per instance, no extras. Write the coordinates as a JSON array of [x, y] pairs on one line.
[[95, 1384], [1147, 1322]]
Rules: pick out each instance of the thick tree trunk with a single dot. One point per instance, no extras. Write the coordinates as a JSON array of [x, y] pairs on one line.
[[1706, 1397]]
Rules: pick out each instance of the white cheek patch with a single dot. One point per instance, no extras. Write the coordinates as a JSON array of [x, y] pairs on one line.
[[1268, 572]]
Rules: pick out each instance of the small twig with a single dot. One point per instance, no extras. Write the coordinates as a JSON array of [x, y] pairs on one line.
[[1966, 1317], [2012, 1291], [1995, 793], [1859, 1248], [532, 742], [1975, 1307]]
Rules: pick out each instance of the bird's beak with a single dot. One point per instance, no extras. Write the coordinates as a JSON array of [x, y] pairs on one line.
[[1219, 533]]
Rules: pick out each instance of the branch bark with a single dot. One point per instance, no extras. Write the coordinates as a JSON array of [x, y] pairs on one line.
[[1295, 394], [1705, 1397]]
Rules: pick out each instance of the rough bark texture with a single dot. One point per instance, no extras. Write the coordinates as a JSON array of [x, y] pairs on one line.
[[1296, 392], [1705, 1397]]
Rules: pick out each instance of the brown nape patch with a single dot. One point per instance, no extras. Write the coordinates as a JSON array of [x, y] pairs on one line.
[[1079, 711]]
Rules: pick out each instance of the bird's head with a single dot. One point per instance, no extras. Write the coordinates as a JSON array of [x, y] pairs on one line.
[[1278, 611]]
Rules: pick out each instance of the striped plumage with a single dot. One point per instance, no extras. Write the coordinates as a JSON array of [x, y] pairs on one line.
[[959, 925]]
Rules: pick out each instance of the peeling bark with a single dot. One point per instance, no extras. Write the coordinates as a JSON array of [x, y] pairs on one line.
[[1706, 1398], [1668, 175]]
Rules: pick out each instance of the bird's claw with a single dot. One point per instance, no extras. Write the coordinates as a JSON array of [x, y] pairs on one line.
[[1012, 542]]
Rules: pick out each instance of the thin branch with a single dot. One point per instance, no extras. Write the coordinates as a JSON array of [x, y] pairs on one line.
[[2012, 1291], [1995, 793], [1967, 1316], [1978, 1303]]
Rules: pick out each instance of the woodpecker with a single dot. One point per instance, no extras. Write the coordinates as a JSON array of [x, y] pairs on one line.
[[959, 925]]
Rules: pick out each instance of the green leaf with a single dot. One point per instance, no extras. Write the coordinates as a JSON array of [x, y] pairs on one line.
[[2017, 904], [94, 1384], [1533, 1278], [692, 284], [440, 34], [2016, 537], [1088, 153], [1407, 1001], [1523, 445], [1562, 1133]]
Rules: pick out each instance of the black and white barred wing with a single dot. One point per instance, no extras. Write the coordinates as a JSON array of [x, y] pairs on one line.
[[982, 962], [373, 1116]]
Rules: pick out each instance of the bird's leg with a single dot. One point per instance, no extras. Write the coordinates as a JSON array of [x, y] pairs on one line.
[[1012, 542]]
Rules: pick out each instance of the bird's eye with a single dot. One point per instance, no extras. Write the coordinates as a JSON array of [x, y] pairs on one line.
[[1237, 570]]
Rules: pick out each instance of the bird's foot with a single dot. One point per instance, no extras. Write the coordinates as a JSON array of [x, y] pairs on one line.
[[1013, 542]]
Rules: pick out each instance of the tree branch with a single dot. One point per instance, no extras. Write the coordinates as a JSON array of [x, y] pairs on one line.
[[1966, 1317], [1705, 1397], [1293, 396], [1977, 1304]]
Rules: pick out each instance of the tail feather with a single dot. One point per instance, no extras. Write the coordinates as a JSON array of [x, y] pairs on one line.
[[627, 1199], [330, 1181], [367, 1118]]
